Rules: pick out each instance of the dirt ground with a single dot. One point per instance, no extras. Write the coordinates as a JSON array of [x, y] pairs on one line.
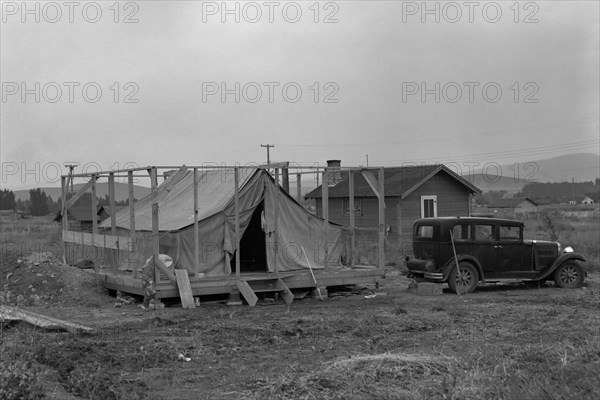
[[501, 342]]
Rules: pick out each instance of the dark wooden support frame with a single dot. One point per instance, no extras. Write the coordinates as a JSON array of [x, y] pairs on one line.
[[128, 243]]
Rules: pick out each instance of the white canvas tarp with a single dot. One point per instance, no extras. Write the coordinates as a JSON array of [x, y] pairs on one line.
[[289, 230]]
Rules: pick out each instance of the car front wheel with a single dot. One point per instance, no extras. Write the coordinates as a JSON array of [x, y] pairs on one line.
[[465, 280], [569, 275]]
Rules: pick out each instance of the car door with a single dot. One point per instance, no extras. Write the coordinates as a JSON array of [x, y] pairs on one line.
[[483, 247], [512, 254]]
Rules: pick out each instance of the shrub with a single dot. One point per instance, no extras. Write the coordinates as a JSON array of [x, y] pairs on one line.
[[19, 380]]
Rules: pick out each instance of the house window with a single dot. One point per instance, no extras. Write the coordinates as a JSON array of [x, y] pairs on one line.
[[428, 206], [357, 206]]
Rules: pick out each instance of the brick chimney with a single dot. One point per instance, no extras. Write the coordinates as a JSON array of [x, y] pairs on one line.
[[334, 172]]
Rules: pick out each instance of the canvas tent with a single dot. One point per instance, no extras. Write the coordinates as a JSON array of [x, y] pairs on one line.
[[275, 230]]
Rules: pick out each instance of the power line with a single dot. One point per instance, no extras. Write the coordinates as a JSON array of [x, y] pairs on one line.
[[452, 137]]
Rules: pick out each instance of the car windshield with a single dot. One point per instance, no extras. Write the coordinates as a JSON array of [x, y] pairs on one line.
[[508, 232]]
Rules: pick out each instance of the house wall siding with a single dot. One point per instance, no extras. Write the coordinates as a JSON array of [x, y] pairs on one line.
[[452, 200]]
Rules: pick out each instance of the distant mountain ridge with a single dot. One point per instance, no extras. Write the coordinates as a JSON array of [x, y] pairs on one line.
[[121, 191], [582, 167]]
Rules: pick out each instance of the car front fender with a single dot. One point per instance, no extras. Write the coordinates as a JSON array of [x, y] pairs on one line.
[[559, 261], [462, 257]]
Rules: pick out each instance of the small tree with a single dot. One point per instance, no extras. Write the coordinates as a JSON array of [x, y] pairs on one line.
[[38, 202], [7, 200], [550, 223]]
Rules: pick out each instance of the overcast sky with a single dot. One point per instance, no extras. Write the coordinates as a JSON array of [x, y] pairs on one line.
[[486, 82]]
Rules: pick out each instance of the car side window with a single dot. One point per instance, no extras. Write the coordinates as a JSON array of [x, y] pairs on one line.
[[508, 232], [425, 231], [461, 232], [484, 232]]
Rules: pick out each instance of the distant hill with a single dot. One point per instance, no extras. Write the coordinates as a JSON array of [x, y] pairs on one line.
[[492, 182], [583, 167], [121, 191]]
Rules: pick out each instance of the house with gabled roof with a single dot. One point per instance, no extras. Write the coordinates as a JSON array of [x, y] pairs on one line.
[[509, 207], [411, 192]]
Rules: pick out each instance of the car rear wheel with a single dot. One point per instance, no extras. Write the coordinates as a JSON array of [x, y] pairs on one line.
[[569, 275], [465, 280]]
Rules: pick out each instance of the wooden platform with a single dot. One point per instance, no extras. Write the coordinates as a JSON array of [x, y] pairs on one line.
[[225, 284]]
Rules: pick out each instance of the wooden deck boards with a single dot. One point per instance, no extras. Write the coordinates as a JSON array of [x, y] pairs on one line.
[[224, 284]]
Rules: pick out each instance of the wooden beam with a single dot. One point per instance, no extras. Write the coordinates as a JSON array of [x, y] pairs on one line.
[[64, 184], [155, 230], [352, 217], [399, 226], [65, 190], [80, 192], [168, 185], [185, 290], [325, 201], [111, 203], [285, 178], [275, 165], [8, 313], [165, 270], [370, 178], [131, 218], [299, 188], [106, 241], [238, 263], [94, 214], [196, 234], [276, 226], [247, 292], [94, 207], [113, 220], [381, 219]]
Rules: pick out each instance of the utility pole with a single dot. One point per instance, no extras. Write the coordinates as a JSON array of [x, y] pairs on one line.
[[71, 168], [268, 146]]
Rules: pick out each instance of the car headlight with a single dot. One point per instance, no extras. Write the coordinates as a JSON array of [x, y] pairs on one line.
[[568, 249]]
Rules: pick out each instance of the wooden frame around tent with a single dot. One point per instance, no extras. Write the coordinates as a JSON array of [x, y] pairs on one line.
[[115, 244]]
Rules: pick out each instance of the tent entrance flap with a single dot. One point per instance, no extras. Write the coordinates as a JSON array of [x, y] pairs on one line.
[[253, 254]]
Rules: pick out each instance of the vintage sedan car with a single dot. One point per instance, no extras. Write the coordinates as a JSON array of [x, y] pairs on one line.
[[488, 250]]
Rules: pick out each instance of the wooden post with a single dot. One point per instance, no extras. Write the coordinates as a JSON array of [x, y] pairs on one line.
[[285, 179], [325, 201], [155, 230], [94, 217], [94, 210], [299, 187], [64, 184], [237, 222], [131, 219], [470, 205], [196, 235], [113, 220], [381, 219], [399, 226], [352, 217], [276, 226]]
